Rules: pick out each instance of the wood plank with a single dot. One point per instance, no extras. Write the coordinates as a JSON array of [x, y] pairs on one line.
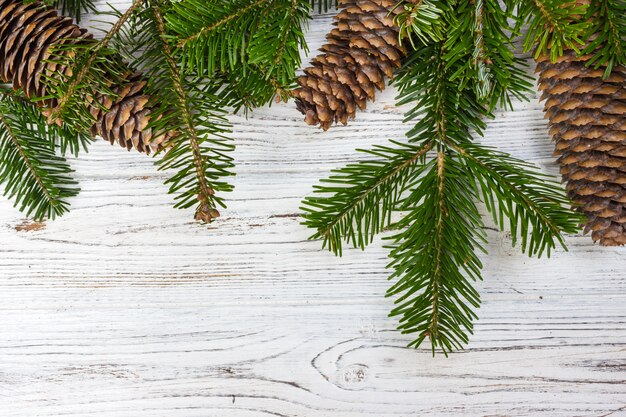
[[126, 307]]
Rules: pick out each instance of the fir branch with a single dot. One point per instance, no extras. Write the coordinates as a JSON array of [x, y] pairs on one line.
[[535, 205], [442, 230], [360, 206], [324, 5], [255, 42], [422, 20], [98, 67], [434, 254], [33, 175], [480, 41], [434, 258], [480, 60], [606, 35], [553, 26], [74, 8], [205, 32], [187, 105], [64, 139], [188, 145], [274, 45]]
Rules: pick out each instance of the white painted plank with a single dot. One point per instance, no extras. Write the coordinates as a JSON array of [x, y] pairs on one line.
[[126, 307]]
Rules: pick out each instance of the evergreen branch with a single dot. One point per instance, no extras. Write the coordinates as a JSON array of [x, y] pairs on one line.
[[242, 42], [202, 30], [33, 175], [206, 30], [70, 105], [422, 20], [74, 8], [274, 46], [480, 45], [440, 238], [553, 26], [480, 60], [434, 258], [607, 34], [361, 205], [65, 139], [324, 5], [434, 254], [535, 205], [189, 137]]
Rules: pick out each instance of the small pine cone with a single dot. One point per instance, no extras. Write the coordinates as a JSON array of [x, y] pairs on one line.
[[27, 32], [362, 50], [587, 118]]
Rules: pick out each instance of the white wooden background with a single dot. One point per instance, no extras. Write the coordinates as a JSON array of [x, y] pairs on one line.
[[126, 307]]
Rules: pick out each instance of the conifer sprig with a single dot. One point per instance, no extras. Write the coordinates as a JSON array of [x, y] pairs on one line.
[[257, 41], [324, 5], [366, 195], [96, 68], [421, 20], [198, 151], [74, 8], [253, 52], [606, 34], [484, 32], [201, 141], [434, 182], [552, 25], [32, 174]]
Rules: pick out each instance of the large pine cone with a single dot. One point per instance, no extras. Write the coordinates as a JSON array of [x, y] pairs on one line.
[[27, 32], [362, 49], [588, 124]]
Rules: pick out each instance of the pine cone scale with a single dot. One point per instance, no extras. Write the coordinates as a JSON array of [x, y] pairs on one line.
[[587, 118]]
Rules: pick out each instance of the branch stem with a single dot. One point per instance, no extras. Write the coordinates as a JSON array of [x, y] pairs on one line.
[[327, 231], [54, 117], [184, 41], [206, 191], [53, 201]]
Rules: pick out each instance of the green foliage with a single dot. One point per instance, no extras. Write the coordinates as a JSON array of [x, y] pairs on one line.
[[199, 59], [95, 65], [553, 25], [31, 172], [428, 188], [357, 202], [74, 8], [434, 257], [187, 105], [606, 35], [536, 208], [98, 66], [422, 21], [257, 41], [480, 41], [324, 5]]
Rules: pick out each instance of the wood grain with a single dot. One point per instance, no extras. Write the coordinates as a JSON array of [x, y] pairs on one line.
[[126, 307]]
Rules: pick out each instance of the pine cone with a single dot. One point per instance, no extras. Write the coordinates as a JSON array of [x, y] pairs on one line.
[[362, 49], [27, 32], [588, 124]]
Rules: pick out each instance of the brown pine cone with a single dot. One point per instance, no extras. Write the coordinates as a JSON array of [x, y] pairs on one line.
[[362, 50], [27, 32], [588, 124]]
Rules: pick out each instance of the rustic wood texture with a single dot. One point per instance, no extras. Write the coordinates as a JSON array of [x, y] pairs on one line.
[[127, 307]]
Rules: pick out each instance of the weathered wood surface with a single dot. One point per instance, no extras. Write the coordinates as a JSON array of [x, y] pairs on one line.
[[126, 307]]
